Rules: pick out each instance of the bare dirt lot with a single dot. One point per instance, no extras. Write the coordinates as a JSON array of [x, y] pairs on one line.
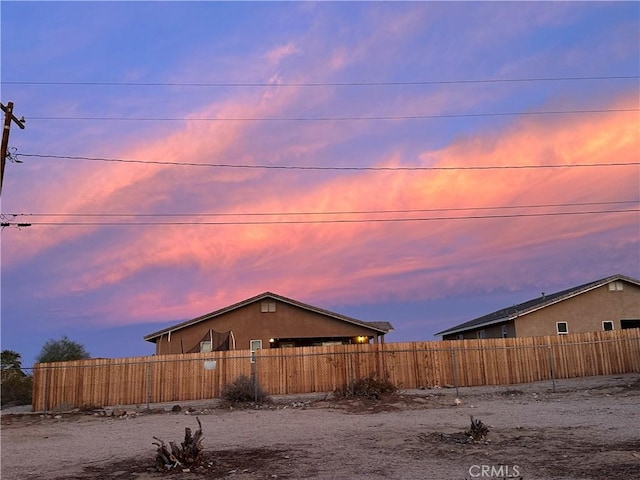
[[588, 429]]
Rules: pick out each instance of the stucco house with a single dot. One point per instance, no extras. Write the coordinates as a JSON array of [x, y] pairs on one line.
[[607, 304], [267, 320]]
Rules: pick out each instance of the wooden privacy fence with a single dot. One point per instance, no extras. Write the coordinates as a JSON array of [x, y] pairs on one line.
[[500, 361]]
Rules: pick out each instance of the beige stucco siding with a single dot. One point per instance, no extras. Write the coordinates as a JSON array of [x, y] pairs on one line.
[[584, 312], [250, 323]]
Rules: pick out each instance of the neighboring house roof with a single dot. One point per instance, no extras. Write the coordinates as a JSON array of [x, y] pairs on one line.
[[382, 327], [511, 313]]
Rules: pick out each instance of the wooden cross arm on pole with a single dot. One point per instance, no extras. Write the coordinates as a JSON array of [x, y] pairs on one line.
[[9, 110]]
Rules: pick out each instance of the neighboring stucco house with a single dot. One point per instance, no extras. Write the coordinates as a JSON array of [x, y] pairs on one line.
[[608, 304], [265, 321]]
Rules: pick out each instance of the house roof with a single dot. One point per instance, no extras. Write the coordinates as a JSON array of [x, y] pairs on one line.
[[381, 327], [511, 313]]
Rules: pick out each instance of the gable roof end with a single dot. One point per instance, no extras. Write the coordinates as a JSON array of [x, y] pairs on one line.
[[381, 327]]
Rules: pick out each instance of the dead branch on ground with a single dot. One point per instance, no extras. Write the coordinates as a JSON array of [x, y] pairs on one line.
[[478, 430], [186, 455]]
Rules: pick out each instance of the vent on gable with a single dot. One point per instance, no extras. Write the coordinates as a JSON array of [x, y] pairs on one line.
[[267, 307], [616, 286]]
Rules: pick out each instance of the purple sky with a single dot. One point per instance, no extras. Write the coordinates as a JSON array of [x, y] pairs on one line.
[[411, 97]]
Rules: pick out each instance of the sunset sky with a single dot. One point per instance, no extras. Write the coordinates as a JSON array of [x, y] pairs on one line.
[[418, 163]]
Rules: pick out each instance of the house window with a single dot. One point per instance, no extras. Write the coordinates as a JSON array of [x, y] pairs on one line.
[[562, 328], [460, 336], [255, 345], [607, 325], [482, 333], [267, 307], [504, 331], [624, 324], [205, 347], [616, 286]]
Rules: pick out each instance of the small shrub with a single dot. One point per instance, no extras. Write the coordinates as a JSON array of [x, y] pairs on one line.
[[370, 387], [17, 388], [243, 390]]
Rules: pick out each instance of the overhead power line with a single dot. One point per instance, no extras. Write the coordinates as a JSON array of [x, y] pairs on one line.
[[319, 167], [322, 84], [327, 221], [337, 118], [311, 213]]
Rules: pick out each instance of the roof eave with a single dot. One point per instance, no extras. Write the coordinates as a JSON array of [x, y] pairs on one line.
[[479, 325]]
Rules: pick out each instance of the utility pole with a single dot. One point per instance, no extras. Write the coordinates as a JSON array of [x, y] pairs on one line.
[[8, 118]]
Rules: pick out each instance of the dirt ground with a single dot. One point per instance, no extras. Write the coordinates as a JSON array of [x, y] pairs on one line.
[[588, 429]]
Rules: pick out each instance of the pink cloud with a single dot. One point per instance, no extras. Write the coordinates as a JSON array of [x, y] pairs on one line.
[[342, 262], [276, 55], [338, 261]]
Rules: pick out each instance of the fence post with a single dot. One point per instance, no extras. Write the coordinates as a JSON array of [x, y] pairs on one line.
[[380, 353], [254, 374], [351, 374], [148, 386], [553, 376], [455, 371]]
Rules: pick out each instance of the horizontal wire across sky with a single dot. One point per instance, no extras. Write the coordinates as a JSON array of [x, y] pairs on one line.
[[337, 118], [322, 167], [354, 214], [306, 221], [35, 83], [318, 84], [341, 212]]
